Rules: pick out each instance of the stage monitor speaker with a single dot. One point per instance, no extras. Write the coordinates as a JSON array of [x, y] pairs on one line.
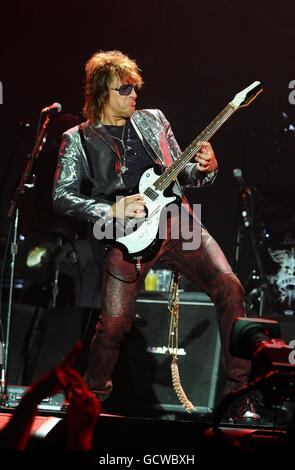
[[25, 326], [142, 378], [61, 329], [40, 338]]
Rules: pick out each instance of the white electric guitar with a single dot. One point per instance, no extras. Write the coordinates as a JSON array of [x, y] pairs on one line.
[[138, 238]]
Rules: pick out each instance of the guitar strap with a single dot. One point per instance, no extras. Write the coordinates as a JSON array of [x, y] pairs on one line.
[[84, 144]]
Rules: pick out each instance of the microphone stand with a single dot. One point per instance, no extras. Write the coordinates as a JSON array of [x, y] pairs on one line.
[[247, 217], [238, 243], [26, 182]]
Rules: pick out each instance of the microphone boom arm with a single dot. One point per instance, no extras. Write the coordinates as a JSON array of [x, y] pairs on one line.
[[39, 144]]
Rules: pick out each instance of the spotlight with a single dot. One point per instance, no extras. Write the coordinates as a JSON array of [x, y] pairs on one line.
[[259, 340]]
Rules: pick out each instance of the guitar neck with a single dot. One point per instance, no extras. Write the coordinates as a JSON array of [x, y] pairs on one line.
[[179, 164]]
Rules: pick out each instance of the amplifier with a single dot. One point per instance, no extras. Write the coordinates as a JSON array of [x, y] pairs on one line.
[[142, 377], [16, 392]]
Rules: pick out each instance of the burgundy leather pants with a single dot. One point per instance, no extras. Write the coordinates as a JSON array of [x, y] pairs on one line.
[[206, 267]]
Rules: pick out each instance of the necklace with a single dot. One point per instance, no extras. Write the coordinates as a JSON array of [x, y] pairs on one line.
[[124, 167]]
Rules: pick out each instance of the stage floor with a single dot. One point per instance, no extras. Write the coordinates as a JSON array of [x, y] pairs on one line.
[[145, 439]]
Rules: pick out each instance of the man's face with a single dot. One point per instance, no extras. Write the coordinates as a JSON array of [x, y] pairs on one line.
[[122, 99]]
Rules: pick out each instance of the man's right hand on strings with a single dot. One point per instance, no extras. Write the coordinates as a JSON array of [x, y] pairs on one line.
[[128, 207]]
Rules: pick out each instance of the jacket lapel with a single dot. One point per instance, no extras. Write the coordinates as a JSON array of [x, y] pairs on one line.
[[146, 130], [99, 130], [148, 133]]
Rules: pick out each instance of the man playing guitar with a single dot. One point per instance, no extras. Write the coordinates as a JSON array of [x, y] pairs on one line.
[[112, 150]]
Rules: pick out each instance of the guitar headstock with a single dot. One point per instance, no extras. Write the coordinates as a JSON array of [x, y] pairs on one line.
[[246, 96]]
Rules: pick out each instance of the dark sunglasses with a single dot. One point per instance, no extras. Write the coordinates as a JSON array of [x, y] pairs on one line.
[[125, 90]]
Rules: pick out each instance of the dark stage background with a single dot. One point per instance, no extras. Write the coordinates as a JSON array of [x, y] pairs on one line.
[[195, 56]]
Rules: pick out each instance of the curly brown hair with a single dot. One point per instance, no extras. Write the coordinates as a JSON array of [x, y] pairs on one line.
[[100, 70]]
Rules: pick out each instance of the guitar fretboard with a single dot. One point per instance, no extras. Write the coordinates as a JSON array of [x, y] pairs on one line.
[[178, 165]]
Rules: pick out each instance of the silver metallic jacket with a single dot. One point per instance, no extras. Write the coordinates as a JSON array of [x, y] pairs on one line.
[[157, 137]]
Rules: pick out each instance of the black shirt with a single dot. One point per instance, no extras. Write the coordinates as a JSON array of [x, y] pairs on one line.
[[133, 155]]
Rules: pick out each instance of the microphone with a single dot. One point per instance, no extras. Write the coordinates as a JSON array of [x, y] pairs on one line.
[[54, 108], [237, 173]]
